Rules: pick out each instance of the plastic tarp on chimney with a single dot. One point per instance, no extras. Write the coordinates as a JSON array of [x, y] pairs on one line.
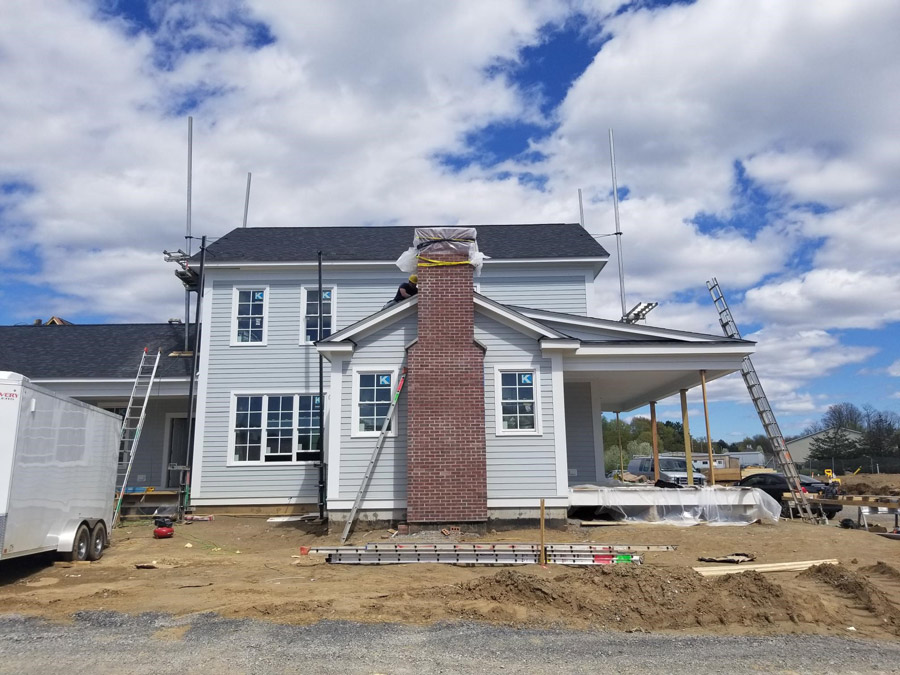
[[713, 505], [431, 241]]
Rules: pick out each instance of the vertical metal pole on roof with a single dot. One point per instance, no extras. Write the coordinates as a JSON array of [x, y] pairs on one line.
[[187, 235], [186, 496], [615, 187], [321, 406], [580, 209], [247, 200]]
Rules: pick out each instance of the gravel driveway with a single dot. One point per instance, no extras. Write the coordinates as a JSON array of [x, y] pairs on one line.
[[105, 642]]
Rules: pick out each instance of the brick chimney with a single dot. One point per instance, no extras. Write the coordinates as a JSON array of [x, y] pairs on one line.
[[446, 459]]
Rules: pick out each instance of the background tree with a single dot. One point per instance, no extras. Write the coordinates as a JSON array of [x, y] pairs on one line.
[[835, 443]]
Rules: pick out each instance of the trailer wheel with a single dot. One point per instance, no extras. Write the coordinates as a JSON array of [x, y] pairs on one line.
[[81, 545], [98, 542]]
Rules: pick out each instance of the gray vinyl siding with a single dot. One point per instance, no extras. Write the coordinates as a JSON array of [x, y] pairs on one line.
[[580, 433], [384, 351], [517, 466], [285, 365], [551, 292], [147, 469]]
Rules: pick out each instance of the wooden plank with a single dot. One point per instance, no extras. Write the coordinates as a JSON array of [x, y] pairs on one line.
[[799, 566]]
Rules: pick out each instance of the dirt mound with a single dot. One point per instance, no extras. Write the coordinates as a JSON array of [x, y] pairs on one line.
[[882, 568], [864, 488], [860, 589], [627, 597]]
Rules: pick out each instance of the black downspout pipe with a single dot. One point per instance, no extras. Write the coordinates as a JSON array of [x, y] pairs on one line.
[[186, 488], [321, 406]]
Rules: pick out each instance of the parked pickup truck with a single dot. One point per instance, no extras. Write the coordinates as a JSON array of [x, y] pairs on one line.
[[671, 469]]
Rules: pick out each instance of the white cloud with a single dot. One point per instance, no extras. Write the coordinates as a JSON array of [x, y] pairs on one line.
[[894, 368]]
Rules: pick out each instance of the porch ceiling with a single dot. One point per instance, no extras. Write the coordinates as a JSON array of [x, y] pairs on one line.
[[624, 390]]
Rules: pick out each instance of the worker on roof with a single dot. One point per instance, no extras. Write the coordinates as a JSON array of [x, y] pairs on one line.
[[406, 290]]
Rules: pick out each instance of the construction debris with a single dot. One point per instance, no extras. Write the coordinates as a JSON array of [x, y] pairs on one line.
[[765, 567], [733, 558]]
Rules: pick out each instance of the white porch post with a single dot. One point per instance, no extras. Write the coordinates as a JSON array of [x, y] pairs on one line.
[[597, 422], [559, 425]]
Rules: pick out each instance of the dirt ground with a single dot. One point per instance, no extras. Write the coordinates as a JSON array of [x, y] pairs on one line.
[[248, 567], [872, 484]]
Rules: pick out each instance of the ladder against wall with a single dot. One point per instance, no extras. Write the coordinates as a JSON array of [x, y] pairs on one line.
[[133, 423], [763, 409]]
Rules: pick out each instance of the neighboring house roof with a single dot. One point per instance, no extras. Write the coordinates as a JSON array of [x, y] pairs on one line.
[[301, 244], [816, 434], [104, 351]]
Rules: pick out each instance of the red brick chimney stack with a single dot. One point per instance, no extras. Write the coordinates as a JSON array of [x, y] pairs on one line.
[[446, 459]]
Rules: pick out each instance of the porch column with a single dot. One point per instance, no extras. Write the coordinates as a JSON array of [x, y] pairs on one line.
[[712, 468], [654, 438], [686, 429]]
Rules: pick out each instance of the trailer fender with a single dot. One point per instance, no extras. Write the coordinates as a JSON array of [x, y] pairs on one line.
[[67, 536]]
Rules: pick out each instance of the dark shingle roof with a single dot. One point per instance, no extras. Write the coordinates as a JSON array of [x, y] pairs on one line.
[[91, 351], [290, 244]]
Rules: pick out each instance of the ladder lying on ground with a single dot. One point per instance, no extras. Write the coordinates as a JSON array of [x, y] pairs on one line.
[[763, 409], [133, 423], [485, 554], [385, 428]]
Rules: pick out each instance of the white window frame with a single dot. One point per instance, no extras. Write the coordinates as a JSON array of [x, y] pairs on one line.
[[354, 428], [232, 420], [234, 317], [498, 403], [304, 291]]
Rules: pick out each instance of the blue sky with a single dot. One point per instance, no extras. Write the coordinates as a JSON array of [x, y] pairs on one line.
[[755, 143]]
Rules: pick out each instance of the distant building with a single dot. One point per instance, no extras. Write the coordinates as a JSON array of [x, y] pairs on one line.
[[800, 447]]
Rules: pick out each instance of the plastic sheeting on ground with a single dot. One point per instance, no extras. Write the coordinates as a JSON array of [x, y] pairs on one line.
[[713, 505]]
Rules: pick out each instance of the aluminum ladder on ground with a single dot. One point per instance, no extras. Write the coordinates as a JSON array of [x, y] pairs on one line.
[[763, 409], [133, 423], [385, 429]]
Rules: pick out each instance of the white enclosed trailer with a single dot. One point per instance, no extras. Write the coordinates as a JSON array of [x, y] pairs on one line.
[[58, 460]]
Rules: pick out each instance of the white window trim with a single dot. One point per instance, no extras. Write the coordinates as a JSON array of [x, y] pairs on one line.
[[498, 410], [354, 428], [304, 290], [234, 305], [232, 419]]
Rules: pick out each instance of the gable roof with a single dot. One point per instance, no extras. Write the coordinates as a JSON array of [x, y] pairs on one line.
[[376, 243], [816, 434], [628, 332], [98, 351]]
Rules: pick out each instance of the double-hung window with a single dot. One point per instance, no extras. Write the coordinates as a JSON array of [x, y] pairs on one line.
[[249, 326], [517, 401], [275, 428], [372, 392], [312, 331]]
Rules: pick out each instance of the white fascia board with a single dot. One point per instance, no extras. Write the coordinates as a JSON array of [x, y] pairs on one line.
[[597, 262], [514, 319], [336, 349], [81, 388], [251, 501], [684, 349], [362, 328], [559, 345]]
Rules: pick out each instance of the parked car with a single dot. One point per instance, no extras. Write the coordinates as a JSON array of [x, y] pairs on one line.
[[671, 469], [775, 485]]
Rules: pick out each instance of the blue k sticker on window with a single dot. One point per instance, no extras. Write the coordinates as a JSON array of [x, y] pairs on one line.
[[258, 295], [384, 380], [525, 378], [326, 295]]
